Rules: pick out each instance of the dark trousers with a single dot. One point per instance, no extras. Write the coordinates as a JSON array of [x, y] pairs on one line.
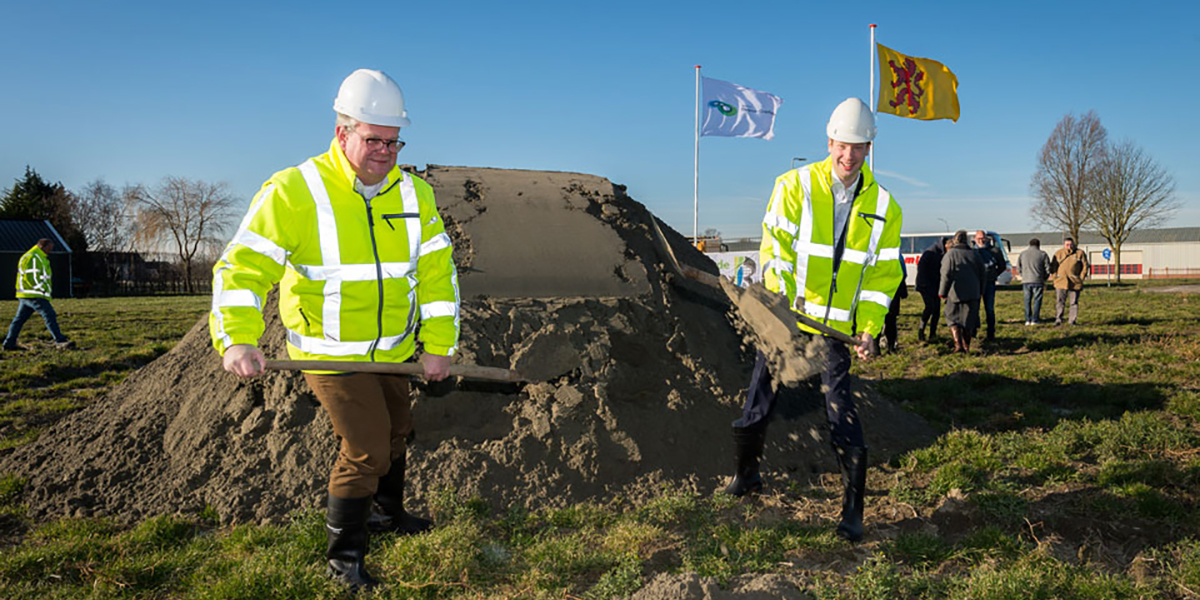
[[845, 428], [1032, 297], [989, 306], [25, 309], [889, 323], [933, 310]]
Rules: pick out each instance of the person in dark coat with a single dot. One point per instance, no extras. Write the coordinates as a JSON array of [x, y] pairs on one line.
[[994, 264], [889, 322], [929, 279], [963, 276]]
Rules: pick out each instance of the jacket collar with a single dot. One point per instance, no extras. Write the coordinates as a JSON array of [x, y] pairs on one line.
[[345, 171]]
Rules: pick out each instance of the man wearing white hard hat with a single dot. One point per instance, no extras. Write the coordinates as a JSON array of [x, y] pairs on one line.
[[831, 243], [362, 258]]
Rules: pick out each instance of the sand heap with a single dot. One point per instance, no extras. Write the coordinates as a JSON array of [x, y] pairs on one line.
[[638, 383]]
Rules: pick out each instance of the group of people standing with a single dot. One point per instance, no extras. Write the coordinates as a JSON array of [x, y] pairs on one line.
[[963, 274]]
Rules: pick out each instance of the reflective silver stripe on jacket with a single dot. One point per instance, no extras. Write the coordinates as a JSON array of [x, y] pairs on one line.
[[408, 194], [806, 227], [354, 272], [329, 347], [253, 241], [441, 308], [818, 310], [327, 237], [435, 243], [882, 200], [229, 298]]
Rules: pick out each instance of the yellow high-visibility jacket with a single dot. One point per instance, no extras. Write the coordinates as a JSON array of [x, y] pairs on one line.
[[33, 274], [354, 276], [797, 249]]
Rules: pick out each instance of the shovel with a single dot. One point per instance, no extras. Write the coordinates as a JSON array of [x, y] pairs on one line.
[[474, 372], [792, 353], [733, 296]]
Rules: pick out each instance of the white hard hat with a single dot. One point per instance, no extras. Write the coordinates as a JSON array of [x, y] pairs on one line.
[[372, 97], [851, 122]]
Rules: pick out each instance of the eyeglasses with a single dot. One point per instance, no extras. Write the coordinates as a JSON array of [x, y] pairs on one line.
[[376, 144]]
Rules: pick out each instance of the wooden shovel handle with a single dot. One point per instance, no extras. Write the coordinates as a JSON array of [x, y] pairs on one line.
[[466, 371]]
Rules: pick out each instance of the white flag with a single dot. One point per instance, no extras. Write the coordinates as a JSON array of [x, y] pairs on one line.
[[731, 110]]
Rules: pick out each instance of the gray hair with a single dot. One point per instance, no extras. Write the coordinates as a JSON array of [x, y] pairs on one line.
[[346, 121]]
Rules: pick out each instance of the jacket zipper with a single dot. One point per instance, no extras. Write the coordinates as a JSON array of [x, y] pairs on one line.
[[378, 270]]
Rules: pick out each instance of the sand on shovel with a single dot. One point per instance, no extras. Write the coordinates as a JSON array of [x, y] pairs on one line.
[[770, 326]]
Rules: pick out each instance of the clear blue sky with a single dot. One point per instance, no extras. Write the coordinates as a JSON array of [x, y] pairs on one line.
[[234, 91]]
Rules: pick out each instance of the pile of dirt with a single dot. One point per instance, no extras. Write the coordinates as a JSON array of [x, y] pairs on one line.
[[638, 382]]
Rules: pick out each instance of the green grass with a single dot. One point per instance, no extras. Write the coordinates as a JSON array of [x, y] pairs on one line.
[[1071, 454], [113, 336]]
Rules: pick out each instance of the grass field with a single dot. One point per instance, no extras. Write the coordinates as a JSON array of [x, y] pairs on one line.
[[113, 337], [1069, 467]]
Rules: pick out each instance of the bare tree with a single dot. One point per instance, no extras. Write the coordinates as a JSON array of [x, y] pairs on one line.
[[104, 217], [105, 221], [1066, 172], [1133, 192], [187, 215]]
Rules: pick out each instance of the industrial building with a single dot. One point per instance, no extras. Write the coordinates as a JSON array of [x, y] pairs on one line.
[[1147, 254]]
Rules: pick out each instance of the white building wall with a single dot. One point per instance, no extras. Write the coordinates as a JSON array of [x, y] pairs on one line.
[[1162, 258]]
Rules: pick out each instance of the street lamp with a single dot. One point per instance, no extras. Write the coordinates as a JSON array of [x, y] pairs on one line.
[[798, 158], [944, 223]]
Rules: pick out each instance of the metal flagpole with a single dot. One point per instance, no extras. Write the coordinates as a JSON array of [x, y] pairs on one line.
[[871, 97], [696, 169]]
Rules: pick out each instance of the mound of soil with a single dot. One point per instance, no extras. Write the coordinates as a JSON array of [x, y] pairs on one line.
[[638, 381]]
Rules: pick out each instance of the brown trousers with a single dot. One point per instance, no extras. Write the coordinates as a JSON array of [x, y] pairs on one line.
[[372, 415]]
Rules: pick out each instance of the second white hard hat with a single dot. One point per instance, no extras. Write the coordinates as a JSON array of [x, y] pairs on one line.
[[372, 97], [852, 122]]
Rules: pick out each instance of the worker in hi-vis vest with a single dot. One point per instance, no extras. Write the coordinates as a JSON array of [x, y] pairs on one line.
[[362, 258], [831, 243], [33, 295]]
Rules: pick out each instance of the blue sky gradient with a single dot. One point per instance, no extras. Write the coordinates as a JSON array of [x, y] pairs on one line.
[[233, 91]]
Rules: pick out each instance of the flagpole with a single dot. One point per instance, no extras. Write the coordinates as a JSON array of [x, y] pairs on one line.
[[696, 169], [871, 97]]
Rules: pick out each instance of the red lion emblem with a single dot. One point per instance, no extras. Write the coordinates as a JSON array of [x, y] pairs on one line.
[[908, 78]]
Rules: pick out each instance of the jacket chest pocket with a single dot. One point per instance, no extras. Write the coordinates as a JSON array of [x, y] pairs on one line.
[[398, 226]]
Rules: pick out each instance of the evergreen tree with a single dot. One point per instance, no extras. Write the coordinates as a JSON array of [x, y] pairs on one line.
[[32, 197]]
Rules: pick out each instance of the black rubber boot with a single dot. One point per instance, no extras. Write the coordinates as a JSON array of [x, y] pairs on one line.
[[389, 514], [347, 537], [748, 445], [853, 463]]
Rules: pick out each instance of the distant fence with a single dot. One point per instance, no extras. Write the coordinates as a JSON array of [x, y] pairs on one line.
[[1169, 273], [137, 274], [140, 288]]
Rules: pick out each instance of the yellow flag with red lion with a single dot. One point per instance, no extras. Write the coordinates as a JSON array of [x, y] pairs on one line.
[[916, 88]]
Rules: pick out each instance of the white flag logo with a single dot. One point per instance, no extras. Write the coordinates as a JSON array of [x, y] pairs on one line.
[[731, 110]]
